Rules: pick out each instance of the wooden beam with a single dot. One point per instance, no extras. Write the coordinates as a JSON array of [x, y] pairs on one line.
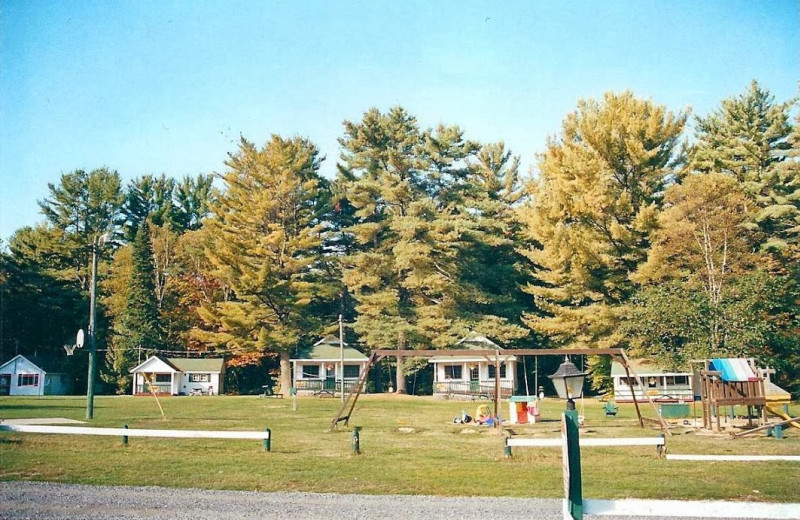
[[503, 352], [796, 420], [663, 423]]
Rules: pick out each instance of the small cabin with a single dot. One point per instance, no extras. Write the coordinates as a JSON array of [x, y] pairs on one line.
[[323, 368], [657, 383], [20, 376], [473, 376], [179, 376]]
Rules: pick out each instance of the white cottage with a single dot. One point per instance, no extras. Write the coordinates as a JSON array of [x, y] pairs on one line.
[[176, 376], [319, 371], [658, 384], [473, 377], [20, 376]]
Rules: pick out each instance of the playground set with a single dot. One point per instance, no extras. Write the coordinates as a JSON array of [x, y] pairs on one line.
[[728, 383]]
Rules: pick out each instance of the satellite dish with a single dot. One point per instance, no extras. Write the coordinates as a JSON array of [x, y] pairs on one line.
[[79, 339]]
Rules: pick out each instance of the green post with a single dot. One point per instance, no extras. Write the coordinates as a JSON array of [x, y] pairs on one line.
[[125, 437], [268, 440], [356, 441], [572, 464], [507, 451]]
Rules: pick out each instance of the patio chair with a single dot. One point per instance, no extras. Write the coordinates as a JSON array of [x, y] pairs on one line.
[[611, 409]]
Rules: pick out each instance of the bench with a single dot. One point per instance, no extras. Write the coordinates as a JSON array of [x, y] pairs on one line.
[[269, 393]]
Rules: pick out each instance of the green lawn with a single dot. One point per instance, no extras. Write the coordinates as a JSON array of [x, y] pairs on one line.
[[410, 445]]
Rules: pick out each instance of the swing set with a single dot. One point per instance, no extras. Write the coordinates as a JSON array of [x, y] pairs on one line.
[[349, 402]]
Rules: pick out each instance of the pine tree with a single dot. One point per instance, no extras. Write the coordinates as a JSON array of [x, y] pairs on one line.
[[138, 328], [425, 265], [593, 208], [80, 208], [266, 239], [750, 137]]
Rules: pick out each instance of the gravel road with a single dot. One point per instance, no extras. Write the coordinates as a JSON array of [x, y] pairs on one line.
[[44, 501]]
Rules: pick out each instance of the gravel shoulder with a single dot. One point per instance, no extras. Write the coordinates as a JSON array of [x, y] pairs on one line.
[[46, 500]]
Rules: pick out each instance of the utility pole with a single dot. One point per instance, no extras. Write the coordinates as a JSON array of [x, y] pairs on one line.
[[341, 355], [92, 345]]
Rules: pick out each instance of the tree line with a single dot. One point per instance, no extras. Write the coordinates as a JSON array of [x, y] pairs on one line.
[[632, 233]]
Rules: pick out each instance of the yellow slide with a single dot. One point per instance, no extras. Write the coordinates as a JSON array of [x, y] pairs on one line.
[[787, 417]]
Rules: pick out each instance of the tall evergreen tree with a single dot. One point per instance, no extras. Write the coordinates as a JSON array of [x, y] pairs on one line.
[[139, 326], [427, 205], [749, 137], [193, 197], [80, 208], [593, 209], [149, 198], [265, 243]]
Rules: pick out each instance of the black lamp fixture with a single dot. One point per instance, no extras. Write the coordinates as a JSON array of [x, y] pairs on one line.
[[568, 382]]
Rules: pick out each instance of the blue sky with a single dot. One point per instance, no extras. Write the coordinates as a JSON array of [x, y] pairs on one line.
[[168, 86]]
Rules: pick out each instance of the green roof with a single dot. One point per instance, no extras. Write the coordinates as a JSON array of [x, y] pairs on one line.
[[198, 364], [328, 349], [475, 341]]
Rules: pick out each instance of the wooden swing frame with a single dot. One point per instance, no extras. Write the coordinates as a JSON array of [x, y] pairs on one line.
[[377, 355]]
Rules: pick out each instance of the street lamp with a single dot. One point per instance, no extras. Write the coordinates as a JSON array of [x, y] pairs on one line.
[[568, 381], [98, 240]]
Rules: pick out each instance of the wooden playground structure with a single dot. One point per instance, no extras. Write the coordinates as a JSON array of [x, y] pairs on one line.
[[737, 382], [618, 354]]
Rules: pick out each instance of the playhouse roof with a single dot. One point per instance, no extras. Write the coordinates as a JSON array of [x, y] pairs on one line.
[[734, 369]]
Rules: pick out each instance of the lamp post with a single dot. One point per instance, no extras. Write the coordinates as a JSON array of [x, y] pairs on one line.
[[92, 346], [568, 382]]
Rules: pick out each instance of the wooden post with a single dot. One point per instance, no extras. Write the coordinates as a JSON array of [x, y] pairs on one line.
[[633, 392]]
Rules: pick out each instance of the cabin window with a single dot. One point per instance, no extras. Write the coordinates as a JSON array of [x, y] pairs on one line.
[[502, 371], [474, 373], [199, 378], [351, 371], [163, 378], [28, 380], [677, 380], [625, 381], [652, 382], [310, 372], [452, 371]]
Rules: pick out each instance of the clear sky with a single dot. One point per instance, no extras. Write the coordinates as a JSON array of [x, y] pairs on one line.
[[168, 86]]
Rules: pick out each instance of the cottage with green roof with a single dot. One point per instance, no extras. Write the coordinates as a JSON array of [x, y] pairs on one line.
[[179, 376], [320, 369]]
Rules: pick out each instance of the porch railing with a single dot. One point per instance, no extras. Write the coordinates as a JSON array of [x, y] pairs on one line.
[[324, 385], [472, 388], [159, 388]]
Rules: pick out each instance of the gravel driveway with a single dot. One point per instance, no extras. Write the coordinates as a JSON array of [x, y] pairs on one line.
[[44, 500]]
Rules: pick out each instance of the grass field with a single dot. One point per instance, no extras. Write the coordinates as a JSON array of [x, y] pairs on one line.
[[410, 445]]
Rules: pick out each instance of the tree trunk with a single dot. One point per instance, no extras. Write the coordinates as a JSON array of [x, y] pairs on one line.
[[400, 375], [400, 380], [286, 373]]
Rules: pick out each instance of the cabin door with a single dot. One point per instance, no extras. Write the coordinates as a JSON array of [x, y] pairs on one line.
[[5, 384]]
